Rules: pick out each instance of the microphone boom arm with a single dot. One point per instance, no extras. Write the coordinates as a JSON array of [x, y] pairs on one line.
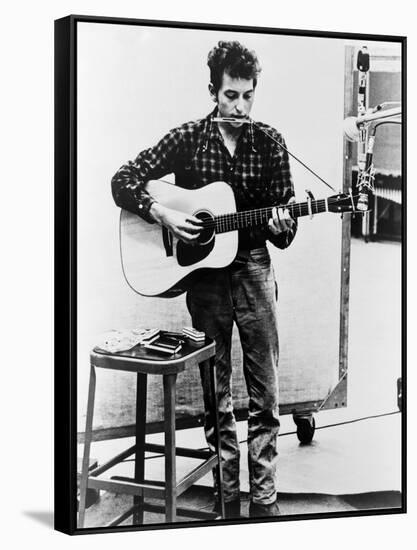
[[352, 124]]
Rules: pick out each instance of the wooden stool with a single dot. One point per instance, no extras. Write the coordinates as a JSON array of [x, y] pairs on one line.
[[145, 362]]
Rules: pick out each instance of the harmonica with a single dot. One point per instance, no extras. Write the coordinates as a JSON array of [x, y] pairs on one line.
[[231, 119]]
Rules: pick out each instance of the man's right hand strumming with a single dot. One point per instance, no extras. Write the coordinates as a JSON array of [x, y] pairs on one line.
[[184, 226]]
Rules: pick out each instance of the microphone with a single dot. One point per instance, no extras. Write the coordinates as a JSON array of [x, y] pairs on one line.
[[352, 124]]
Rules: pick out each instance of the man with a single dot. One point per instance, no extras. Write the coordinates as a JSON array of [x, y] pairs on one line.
[[257, 168]]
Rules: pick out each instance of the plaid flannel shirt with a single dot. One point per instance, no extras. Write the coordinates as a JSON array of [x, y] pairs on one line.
[[258, 172]]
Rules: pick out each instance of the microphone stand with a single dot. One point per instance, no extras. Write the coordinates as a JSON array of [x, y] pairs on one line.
[[365, 166], [365, 132]]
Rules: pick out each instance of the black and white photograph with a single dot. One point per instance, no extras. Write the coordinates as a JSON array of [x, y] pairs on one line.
[[231, 268]]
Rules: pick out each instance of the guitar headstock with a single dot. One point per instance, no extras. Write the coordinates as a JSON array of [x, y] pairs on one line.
[[342, 202]]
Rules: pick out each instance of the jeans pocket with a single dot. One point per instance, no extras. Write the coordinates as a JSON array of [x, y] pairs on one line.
[[260, 256]]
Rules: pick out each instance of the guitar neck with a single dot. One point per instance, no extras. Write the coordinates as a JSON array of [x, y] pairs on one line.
[[261, 216]]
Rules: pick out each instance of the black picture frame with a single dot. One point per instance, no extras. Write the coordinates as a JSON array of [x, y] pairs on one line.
[[66, 263]]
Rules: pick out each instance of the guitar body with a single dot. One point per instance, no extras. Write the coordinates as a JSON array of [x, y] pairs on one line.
[[154, 262]]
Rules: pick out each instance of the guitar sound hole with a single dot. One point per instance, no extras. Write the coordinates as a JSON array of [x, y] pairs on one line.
[[207, 233]]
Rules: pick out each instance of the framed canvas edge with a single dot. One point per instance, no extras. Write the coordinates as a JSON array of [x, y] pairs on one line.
[[65, 450], [403, 382], [65, 250], [78, 18]]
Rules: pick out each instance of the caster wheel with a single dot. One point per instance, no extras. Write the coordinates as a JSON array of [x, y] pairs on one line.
[[306, 426]]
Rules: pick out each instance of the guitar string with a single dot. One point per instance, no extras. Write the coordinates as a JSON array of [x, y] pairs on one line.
[[239, 223], [262, 217], [266, 209], [236, 217], [259, 214], [292, 206]]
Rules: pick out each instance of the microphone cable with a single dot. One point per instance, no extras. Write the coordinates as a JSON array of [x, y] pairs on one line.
[[326, 426], [293, 156]]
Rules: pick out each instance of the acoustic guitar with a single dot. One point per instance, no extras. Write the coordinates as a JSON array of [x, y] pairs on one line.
[[155, 263]]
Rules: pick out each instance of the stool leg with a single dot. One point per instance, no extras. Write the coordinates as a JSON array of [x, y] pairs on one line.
[[215, 408], [87, 446], [170, 464], [141, 391]]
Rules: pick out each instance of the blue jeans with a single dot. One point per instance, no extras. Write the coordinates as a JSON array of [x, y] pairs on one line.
[[244, 293]]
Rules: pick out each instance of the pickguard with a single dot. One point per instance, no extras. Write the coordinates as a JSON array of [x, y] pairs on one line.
[[192, 254]]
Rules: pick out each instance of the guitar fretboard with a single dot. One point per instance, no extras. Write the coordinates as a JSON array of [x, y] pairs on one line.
[[261, 216]]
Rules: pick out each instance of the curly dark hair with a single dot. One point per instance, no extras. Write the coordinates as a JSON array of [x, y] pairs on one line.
[[234, 59]]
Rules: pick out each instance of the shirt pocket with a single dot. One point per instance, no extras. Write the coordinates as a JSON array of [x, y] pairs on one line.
[[186, 177]]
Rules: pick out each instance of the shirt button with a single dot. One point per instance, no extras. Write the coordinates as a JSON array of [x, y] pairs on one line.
[[141, 206]]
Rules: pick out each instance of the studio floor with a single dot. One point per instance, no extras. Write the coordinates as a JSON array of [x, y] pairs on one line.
[[354, 460]]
